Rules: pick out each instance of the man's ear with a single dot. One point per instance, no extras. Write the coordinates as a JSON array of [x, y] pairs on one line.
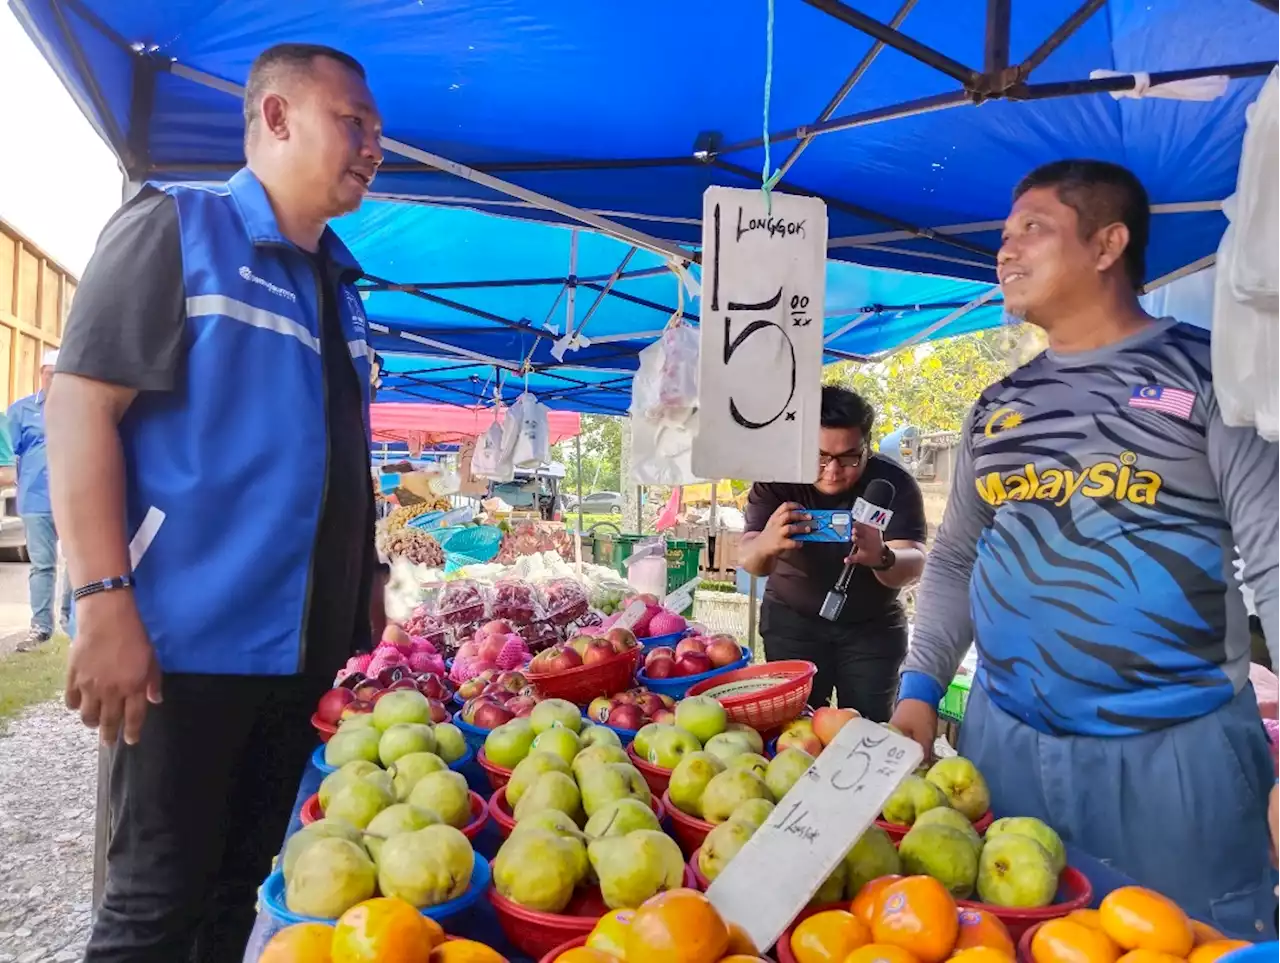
[[275, 115], [1113, 241]]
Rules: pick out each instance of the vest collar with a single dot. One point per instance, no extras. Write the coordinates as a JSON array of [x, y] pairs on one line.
[[250, 199]]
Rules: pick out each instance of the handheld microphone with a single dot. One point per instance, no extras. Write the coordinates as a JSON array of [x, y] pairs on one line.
[[871, 509]]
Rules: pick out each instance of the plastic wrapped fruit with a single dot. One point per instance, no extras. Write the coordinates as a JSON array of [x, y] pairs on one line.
[[425, 626], [461, 602], [566, 600], [515, 600], [540, 635]]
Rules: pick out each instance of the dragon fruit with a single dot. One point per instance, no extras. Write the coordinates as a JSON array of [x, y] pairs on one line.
[[663, 622], [421, 660], [514, 653]]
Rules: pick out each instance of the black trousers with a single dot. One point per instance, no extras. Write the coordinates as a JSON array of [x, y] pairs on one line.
[[199, 809], [860, 662]]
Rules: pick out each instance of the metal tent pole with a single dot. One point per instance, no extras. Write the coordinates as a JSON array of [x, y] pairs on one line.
[[899, 41]]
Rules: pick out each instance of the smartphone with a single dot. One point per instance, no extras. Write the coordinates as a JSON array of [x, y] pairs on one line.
[[829, 525]]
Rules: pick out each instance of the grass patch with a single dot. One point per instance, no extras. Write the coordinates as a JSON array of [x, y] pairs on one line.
[[27, 678]]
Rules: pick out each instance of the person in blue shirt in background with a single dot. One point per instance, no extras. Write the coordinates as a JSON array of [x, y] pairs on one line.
[[26, 432]]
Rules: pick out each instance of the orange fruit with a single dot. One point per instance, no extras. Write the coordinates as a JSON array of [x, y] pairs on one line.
[[740, 944], [678, 926], [300, 943], [1150, 956], [610, 933], [919, 915], [982, 954], [743, 958], [469, 951], [585, 954], [384, 931], [866, 904], [980, 927], [828, 937], [1066, 941], [1086, 917], [1208, 952], [1141, 919], [1204, 933], [880, 953]]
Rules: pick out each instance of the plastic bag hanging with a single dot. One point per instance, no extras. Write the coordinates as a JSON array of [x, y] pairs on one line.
[[489, 460], [526, 433]]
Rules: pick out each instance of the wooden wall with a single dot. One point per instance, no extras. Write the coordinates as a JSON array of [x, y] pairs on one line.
[[35, 294]]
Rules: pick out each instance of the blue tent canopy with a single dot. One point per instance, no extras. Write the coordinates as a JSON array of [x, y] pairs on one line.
[[629, 111]]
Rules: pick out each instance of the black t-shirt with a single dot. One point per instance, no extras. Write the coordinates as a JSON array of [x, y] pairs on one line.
[[127, 326], [803, 576]]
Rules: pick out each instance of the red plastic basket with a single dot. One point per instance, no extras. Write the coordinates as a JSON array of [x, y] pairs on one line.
[[325, 729], [701, 880], [501, 813], [1024, 943], [498, 777], [311, 812], [689, 831], [896, 830], [763, 696], [586, 682], [538, 934], [1074, 892], [655, 776], [554, 954]]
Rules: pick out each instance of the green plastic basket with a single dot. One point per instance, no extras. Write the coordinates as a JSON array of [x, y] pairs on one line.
[[956, 697]]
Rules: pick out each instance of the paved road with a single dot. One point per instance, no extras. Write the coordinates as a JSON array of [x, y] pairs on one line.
[[15, 612]]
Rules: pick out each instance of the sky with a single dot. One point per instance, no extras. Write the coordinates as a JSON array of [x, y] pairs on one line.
[[58, 181]]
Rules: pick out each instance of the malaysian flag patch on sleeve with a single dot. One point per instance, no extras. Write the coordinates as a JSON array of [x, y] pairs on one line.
[[1171, 401]]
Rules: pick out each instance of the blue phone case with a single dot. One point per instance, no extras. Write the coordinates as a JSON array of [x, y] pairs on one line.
[[829, 525]]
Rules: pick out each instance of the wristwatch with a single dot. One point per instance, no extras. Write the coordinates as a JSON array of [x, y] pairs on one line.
[[887, 560]]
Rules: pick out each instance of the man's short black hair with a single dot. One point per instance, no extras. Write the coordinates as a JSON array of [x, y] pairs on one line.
[[842, 408], [274, 61], [1101, 193]]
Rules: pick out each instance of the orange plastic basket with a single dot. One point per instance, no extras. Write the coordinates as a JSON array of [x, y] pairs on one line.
[[762, 696], [655, 776], [689, 831], [497, 776], [586, 682]]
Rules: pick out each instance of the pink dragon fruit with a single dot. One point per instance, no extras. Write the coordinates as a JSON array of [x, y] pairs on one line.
[[663, 622], [423, 661], [514, 653]]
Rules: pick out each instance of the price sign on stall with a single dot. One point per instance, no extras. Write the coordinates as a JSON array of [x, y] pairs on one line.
[[812, 828], [760, 376]]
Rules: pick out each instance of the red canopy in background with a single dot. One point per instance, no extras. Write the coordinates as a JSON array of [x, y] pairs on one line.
[[423, 425]]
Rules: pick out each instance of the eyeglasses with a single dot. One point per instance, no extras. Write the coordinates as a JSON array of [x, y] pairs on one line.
[[844, 460]]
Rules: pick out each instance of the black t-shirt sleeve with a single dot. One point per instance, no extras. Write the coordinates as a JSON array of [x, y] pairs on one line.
[[908, 522], [762, 501], [126, 324]]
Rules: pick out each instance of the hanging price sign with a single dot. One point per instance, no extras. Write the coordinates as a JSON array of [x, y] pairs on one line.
[[760, 376]]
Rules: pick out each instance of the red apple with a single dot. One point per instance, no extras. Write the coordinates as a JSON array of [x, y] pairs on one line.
[[667, 702], [579, 643], [558, 658], [471, 688], [468, 650], [597, 651], [599, 708], [521, 706], [662, 651], [692, 663], [497, 627], [511, 681], [491, 647], [626, 717], [332, 703], [687, 646], [365, 691], [663, 667], [405, 683], [723, 652], [433, 687], [626, 699], [649, 704], [621, 639], [359, 707], [490, 715], [828, 721], [664, 717]]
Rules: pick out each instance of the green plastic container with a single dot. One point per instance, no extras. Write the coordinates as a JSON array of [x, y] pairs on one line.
[[682, 556], [956, 698]]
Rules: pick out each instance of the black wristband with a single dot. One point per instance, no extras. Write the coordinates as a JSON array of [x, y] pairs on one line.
[[106, 585], [887, 560]]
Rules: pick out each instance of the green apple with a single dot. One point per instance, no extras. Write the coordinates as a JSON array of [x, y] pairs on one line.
[[727, 745], [446, 794], [394, 820], [597, 755], [871, 857], [785, 770], [749, 733], [358, 802], [912, 797], [1016, 871], [451, 744], [721, 845], [407, 770], [944, 853], [611, 781], [404, 738], [727, 790], [641, 743], [832, 888], [1034, 828], [352, 771], [942, 816], [963, 785], [329, 877], [750, 761], [669, 746], [702, 716], [527, 772], [401, 705], [620, 817], [555, 713], [507, 744], [551, 790], [426, 868], [689, 780], [563, 742], [350, 745], [304, 837], [599, 736], [361, 720], [538, 869], [752, 811], [634, 867]]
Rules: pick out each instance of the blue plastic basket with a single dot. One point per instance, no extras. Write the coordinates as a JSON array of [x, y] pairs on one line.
[[474, 735], [470, 545], [677, 686], [271, 897], [317, 757]]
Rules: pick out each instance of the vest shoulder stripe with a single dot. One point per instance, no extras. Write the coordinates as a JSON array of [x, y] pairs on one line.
[[359, 348], [205, 305]]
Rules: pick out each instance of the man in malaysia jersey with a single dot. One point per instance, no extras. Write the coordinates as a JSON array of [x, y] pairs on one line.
[[1087, 551]]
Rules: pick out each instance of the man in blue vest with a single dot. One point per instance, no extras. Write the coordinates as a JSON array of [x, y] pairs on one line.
[[209, 452], [26, 432]]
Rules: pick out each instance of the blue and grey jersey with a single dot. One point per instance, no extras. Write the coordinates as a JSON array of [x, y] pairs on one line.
[[1088, 543]]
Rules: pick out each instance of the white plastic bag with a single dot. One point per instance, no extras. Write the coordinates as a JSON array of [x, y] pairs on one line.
[[673, 394], [490, 459], [664, 409], [1256, 254], [526, 433]]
